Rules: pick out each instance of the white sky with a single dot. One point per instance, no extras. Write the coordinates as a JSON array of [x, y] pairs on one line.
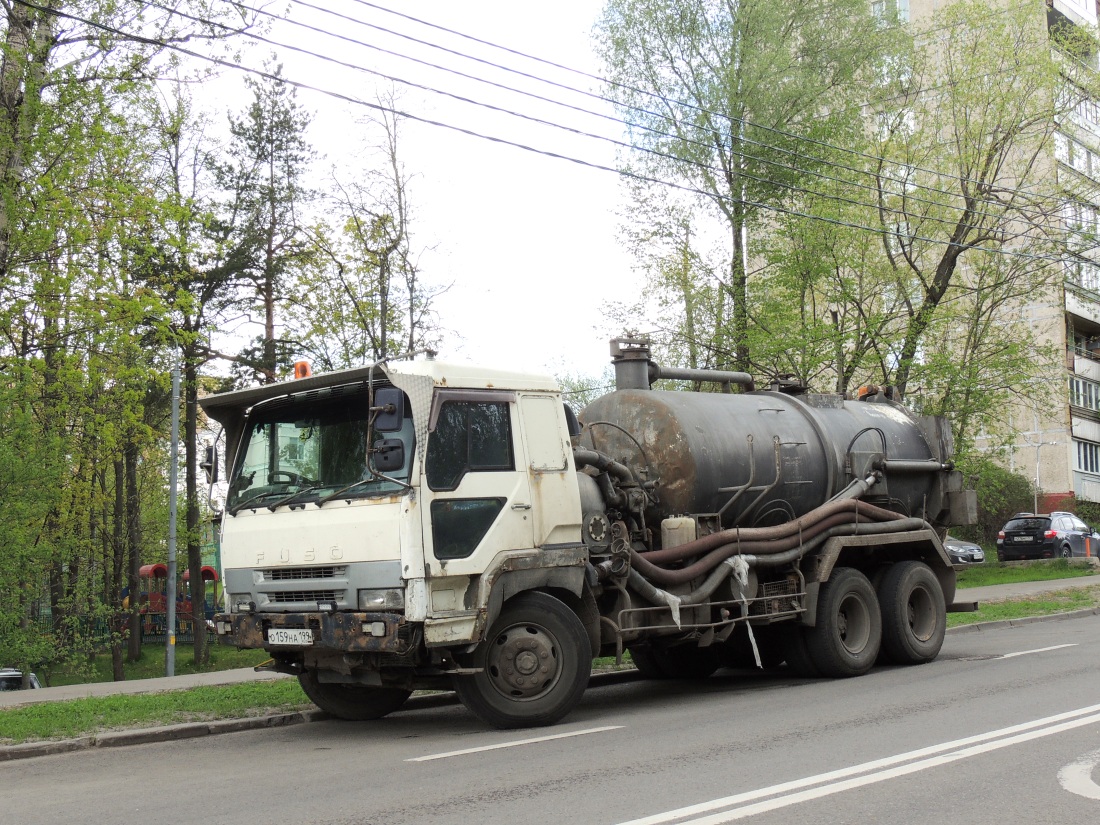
[[529, 242]]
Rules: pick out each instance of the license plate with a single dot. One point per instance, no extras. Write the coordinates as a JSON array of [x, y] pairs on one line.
[[299, 637], [1021, 538]]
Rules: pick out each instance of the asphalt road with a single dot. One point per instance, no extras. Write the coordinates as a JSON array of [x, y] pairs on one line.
[[1003, 728]]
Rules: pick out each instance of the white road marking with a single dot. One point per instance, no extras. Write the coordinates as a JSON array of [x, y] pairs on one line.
[[879, 770], [1077, 776], [1037, 650], [515, 744]]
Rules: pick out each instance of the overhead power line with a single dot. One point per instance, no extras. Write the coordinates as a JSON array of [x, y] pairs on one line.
[[177, 47], [909, 186]]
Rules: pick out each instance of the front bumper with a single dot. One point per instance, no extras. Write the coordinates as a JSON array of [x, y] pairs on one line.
[[966, 556], [346, 631]]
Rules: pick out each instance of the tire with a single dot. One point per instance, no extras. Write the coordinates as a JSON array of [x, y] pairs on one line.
[[846, 639], [535, 662], [796, 652], [355, 703], [1067, 551], [914, 616]]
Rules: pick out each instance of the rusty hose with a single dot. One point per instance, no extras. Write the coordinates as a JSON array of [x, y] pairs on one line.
[[849, 509], [795, 546]]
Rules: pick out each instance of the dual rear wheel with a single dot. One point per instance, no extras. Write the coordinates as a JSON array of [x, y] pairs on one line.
[[903, 621]]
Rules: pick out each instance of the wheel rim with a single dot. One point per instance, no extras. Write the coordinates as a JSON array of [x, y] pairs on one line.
[[523, 662], [854, 624], [922, 614]]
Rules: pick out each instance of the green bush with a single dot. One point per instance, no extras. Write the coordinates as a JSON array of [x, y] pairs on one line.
[[1001, 493]]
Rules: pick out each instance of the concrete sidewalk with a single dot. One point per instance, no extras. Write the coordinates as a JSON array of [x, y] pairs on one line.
[[1022, 590], [11, 698]]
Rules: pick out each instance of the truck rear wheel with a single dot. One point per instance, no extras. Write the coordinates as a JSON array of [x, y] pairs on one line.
[[796, 652], [356, 703], [846, 639], [535, 663], [914, 618]]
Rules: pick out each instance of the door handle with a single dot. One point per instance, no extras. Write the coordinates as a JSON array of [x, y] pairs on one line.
[[521, 506]]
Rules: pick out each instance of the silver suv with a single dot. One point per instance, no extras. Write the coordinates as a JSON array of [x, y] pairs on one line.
[[12, 679]]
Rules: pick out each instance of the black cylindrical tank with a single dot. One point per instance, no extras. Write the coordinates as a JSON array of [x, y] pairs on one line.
[[789, 453]]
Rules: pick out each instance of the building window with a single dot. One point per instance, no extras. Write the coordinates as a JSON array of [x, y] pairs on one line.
[[1088, 456], [1084, 393], [890, 11]]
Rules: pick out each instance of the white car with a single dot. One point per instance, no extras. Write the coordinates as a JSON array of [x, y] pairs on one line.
[[12, 679]]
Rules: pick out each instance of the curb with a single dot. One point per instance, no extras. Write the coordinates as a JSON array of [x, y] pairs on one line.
[[167, 733], [977, 627], [191, 730]]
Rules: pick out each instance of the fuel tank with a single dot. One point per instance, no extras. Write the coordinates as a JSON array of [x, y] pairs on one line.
[[762, 458]]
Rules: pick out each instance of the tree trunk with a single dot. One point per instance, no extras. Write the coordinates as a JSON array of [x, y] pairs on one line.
[[194, 545]]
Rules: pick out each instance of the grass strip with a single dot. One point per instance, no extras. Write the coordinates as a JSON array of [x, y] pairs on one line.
[[80, 717], [1061, 601], [982, 575]]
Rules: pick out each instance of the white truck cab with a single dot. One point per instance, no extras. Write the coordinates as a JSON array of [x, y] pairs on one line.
[[372, 512]]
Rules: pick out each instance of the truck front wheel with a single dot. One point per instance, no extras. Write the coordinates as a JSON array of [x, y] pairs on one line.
[[534, 665], [846, 639], [353, 702], [914, 618]]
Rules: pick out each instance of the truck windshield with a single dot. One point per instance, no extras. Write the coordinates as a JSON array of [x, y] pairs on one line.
[[298, 450]]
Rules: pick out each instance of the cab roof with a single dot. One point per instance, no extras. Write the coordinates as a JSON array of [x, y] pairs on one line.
[[231, 404]]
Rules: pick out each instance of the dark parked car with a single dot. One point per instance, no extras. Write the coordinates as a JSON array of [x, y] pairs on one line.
[[12, 679], [963, 552], [1045, 536]]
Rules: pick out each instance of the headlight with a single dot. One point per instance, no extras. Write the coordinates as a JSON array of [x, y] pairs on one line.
[[392, 598]]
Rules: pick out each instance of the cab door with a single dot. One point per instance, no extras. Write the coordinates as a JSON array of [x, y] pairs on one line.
[[477, 500]]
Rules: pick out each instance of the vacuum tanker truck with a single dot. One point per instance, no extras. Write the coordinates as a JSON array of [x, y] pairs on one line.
[[417, 524]]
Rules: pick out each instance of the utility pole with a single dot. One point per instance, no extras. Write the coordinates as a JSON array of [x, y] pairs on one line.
[[1039, 446], [173, 483]]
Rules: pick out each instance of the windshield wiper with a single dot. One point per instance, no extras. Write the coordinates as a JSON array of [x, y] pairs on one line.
[[276, 505], [339, 493], [359, 483], [248, 501]]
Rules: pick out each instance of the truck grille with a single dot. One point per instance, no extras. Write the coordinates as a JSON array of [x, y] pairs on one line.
[[300, 573], [296, 596]]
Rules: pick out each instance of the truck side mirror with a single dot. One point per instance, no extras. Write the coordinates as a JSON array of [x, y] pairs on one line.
[[390, 403], [389, 455], [209, 463]]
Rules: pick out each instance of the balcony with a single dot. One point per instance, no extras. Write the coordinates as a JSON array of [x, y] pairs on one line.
[[1082, 301], [1078, 12]]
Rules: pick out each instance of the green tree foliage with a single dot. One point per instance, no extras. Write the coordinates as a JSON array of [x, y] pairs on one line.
[[363, 297], [919, 217], [726, 98], [74, 368], [945, 224], [264, 179], [1001, 493]]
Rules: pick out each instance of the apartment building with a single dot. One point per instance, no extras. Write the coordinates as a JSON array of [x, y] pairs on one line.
[[1059, 447], [1057, 440]]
